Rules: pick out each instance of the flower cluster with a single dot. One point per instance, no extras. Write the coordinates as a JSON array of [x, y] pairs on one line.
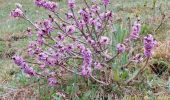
[[120, 48], [106, 2], [24, 66], [136, 28], [71, 3], [149, 44], [17, 13], [87, 62], [104, 40], [49, 5], [52, 81], [137, 58]]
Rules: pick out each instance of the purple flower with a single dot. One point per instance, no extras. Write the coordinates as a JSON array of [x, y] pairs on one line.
[[30, 51], [23, 65], [33, 49], [47, 27], [98, 26], [63, 27], [95, 8], [106, 2], [120, 48], [51, 6], [86, 71], [39, 3], [68, 48], [87, 62], [17, 13], [87, 57], [135, 31], [109, 15], [40, 33], [149, 44], [85, 15], [70, 29], [18, 60], [59, 45], [28, 70], [98, 65], [81, 24], [104, 40], [51, 61], [60, 37], [93, 21], [71, 3], [40, 40], [69, 15], [137, 58], [90, 41], [52, 81], [43, 56], [42, 66], [81, 47], [103, 16]]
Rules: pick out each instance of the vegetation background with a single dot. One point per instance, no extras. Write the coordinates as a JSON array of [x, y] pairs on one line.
[[154, 14]]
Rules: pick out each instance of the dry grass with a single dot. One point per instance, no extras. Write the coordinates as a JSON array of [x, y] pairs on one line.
[[162, 51]]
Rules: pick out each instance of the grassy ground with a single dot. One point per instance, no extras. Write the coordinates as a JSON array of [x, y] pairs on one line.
[[10, 29]]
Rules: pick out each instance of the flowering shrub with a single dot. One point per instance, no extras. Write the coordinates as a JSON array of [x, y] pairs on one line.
[[83, 43]]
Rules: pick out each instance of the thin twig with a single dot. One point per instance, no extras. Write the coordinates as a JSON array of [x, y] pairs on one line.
[[112, 58], [62, 19], [101, 82], [140, 71], [162, 21], [30, 22]]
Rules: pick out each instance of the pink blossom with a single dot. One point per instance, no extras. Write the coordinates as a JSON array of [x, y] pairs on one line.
[[24, 65], [81, 47], [97, 65], [68, 48], [90, 41], [86, 71], [81, 24], [85, 14], [17, 13], [120, 48], [51, 61], [137, 58], [60, 37], [104, 40], [39, 2], [95, 8], [69, 15], [51, 6], [149, 44], [87, 62], [70, 29], [135, 31], [52, 81], [48, 27], [71, 3], [106, 2]]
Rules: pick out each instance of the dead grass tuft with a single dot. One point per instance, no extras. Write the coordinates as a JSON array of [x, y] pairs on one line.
[[162, 51]]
